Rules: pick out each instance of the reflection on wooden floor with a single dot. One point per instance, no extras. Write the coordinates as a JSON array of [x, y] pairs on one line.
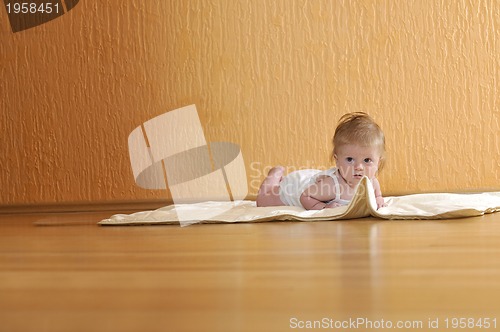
[[62, 272]]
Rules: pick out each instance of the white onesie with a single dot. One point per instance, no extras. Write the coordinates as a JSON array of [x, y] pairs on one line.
[[294, 184]]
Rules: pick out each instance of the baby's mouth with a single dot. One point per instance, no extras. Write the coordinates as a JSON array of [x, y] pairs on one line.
[[358, 176]]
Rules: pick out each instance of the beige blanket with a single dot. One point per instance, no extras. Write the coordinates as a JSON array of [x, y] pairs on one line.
[[419, 206]]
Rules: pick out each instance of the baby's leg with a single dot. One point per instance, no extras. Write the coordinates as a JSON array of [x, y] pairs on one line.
[[269, 191]]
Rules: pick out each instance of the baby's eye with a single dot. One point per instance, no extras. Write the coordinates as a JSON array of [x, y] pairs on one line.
[[349, 159], [368, 160]]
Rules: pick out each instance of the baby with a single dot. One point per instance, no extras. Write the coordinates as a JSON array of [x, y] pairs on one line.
[[358, 150]]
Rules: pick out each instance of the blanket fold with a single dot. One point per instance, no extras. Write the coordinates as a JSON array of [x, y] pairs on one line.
[[363, 204]]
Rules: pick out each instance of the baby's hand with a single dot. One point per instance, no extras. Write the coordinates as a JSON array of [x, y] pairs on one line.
[[332, 205], [380, 202]]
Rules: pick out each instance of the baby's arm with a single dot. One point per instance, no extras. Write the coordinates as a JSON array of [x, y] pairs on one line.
[[315, 196], [378, 193]]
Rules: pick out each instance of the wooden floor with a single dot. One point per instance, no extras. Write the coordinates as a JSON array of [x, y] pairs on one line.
[[62, 272]]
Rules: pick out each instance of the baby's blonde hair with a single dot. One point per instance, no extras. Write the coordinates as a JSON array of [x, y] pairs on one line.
[[359, 128]]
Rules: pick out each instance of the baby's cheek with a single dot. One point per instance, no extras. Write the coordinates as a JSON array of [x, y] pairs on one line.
[[346, 170], [372, 172]]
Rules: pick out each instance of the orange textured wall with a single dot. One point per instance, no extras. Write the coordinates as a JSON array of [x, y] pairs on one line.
[[271, 76]]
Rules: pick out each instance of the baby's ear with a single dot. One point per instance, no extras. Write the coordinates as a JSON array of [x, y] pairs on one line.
[[333, 157], [381, 163]]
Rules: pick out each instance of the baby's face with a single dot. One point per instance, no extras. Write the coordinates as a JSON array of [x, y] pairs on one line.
[[355, 161]]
